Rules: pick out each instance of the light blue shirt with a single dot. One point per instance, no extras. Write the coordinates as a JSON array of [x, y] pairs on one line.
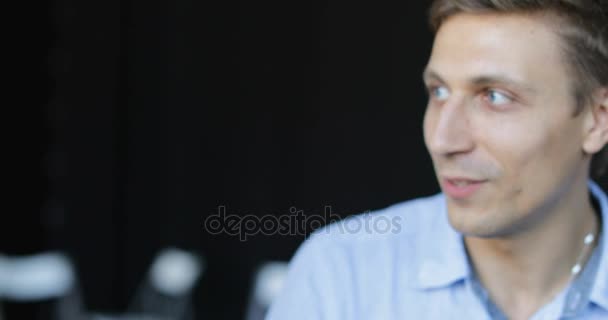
[[407, 262]]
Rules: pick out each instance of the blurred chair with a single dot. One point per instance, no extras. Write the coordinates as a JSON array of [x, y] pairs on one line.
[[166, 291], [268, 282], [35, 277], [47, 276]]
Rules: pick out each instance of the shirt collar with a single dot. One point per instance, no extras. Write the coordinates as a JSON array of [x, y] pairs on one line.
[[442, 258], [599, 293], [440, 252]]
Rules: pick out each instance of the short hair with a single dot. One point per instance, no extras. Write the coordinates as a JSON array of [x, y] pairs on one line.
[[583, 27]]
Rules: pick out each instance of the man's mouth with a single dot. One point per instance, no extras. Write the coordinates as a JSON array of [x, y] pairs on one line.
[[460, 187], [460, 182]]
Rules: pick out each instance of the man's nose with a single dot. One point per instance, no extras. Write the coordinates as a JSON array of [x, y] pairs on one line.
[[452, 131]]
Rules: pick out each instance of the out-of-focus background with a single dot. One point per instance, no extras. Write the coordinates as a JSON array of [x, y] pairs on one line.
[[146, 118]]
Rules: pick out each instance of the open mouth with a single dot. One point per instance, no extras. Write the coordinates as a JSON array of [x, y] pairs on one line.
[[461, 188]]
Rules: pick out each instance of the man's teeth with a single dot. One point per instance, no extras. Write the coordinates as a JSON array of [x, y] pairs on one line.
[[461, 183]]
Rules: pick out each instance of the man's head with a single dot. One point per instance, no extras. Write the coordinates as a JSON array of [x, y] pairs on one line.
[[518, 99]]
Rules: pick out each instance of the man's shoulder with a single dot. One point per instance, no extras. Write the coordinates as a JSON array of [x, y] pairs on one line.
[[344, 254], [405, 219], [335, 270]]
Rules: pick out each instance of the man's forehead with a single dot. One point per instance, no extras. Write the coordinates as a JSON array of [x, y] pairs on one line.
[[495, 48]]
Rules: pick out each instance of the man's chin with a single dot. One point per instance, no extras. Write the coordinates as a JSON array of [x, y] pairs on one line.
[[474, 224]]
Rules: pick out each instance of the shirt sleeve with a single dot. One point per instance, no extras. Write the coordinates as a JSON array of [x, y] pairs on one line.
[[309, 290]]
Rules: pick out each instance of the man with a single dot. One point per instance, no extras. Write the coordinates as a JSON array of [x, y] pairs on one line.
[[518, 107]]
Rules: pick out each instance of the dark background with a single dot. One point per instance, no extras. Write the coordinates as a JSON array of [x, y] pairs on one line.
[[148, 115]]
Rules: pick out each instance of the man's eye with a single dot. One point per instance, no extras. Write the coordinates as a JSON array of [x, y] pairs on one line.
[[497, 98], [440, 93]]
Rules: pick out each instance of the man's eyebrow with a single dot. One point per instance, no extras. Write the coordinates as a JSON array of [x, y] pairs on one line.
[[429, 74], [492, 79], [501, 79]]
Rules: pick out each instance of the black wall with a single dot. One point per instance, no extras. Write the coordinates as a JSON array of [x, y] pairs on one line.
[[159, 112]]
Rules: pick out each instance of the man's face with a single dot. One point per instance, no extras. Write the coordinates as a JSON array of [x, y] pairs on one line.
[[499, 124]]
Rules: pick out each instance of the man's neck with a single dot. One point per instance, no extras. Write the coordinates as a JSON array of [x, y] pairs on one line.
[[524, 271]]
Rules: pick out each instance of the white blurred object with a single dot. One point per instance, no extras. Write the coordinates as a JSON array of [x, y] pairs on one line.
[[174, 272], [269, 282], [166, 292], [267, 285], [35, 277]]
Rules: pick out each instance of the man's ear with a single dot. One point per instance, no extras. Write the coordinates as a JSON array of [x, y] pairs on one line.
[[596, 123]]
